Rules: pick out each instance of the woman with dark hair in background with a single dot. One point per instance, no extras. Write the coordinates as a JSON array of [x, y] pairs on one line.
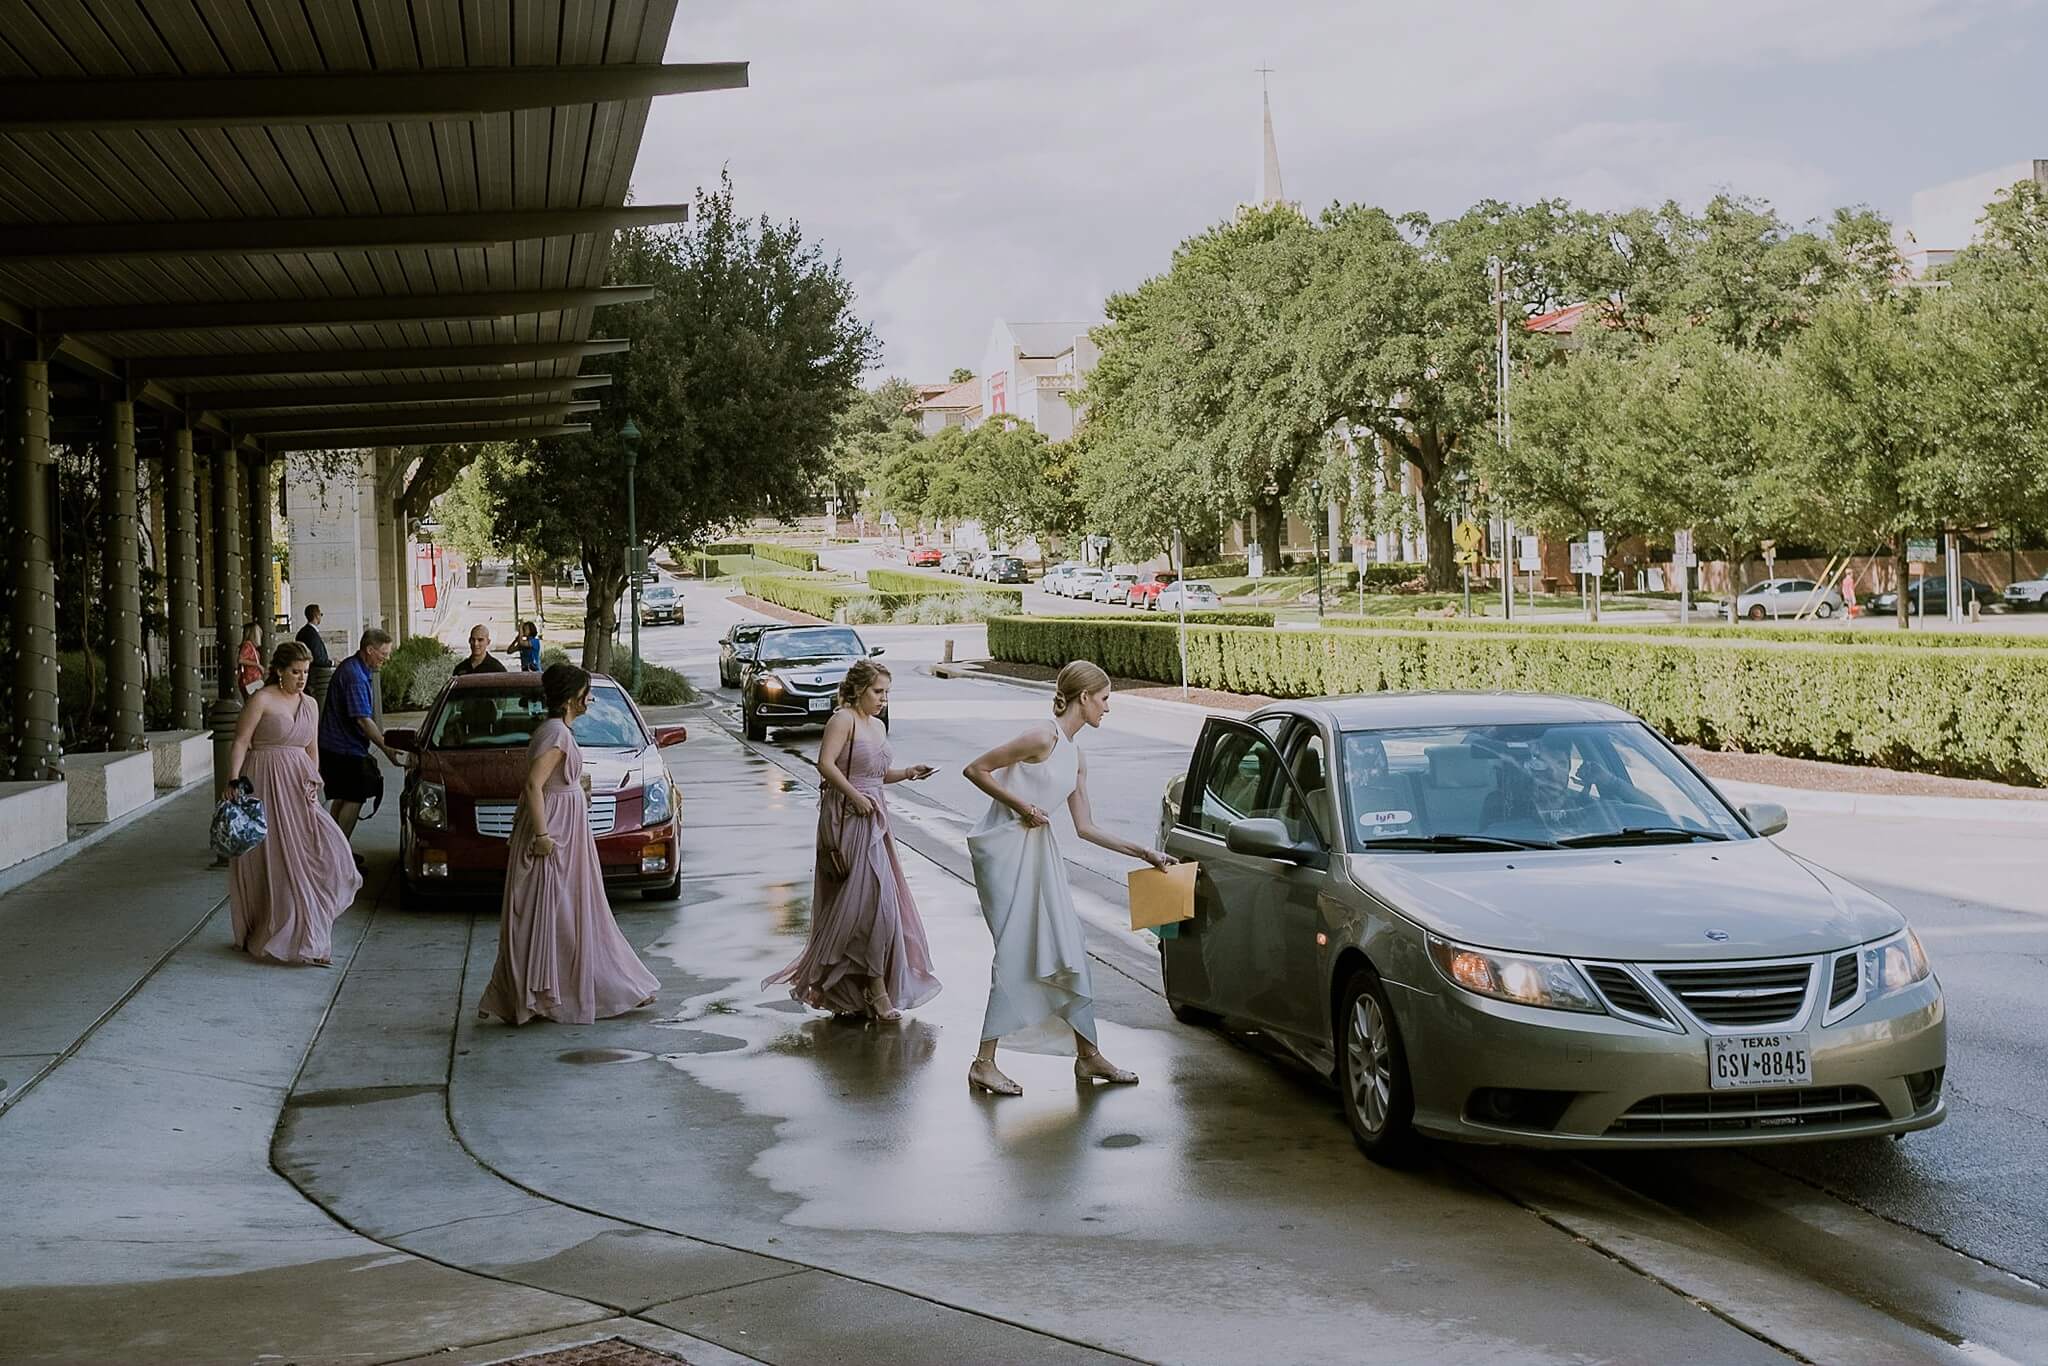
[[560, 952], [287, 892], [867, 953], [249, 662]]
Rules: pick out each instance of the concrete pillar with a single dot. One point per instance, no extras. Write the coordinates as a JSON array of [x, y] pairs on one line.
[[37, 744], [156, 601], [182, 556], [263, 609], [202, 474], [124, 583], [226, 711], [391, 604]]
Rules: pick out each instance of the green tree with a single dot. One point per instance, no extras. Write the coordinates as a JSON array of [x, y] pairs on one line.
[[961, 374], [741, 366], [876, 425]]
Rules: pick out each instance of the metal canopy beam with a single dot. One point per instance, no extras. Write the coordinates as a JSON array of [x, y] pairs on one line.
[[341, 97], [332, 312], [340, 395], [418, 436], [297, 236], [362, 419], [344, 362]]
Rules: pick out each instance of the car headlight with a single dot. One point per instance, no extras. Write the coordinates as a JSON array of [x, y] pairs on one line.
[[430, 806], [1525, 979], [1893, 964], [654, 802], [772, 686]]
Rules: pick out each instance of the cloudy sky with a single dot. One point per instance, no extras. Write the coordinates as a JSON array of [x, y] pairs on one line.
[[971, 161]]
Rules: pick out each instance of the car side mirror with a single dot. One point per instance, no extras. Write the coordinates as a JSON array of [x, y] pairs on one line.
[[403, 738], [1766, 818], [664, 736], [1263, 837], [878, 650]]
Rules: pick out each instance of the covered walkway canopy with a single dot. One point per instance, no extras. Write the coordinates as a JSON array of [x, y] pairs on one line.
[[230, 231]]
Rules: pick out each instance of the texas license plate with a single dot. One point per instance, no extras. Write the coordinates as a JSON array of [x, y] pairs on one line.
[[1739, 1061], [821, 704]]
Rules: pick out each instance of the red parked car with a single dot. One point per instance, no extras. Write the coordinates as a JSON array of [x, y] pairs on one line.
[[1145, 595], [925, 557], [459, 800]]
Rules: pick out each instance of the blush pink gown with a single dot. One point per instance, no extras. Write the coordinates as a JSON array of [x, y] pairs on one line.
[[867, 925], [560, 953], [287, 892]]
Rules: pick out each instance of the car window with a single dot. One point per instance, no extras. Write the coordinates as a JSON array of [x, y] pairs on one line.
[[1308, 761], [1244, 779], [475, 718], [1197, 588], [809, 643]]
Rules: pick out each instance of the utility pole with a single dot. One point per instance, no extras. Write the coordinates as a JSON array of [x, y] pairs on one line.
[[1501, 373]]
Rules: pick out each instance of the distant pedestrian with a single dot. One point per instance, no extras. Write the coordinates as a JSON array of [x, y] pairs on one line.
[[249, 662], [867, 953], [286, 892], [528, 645], [315, 643], [560, 953], [480, 660], [348, 730], [1040, 998]]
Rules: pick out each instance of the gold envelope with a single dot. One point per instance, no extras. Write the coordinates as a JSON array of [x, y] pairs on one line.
[[1161, 896]]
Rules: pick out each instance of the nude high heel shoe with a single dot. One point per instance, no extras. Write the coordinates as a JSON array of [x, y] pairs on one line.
[[1095, 1067], [982, 1075]]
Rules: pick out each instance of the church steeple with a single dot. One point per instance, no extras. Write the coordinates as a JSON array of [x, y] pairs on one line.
[[1269, 193]]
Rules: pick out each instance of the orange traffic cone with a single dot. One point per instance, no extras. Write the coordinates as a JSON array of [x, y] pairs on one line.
[[1849, 603]]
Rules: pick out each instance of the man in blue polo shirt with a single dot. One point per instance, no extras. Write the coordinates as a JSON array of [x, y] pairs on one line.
[[348, 728]]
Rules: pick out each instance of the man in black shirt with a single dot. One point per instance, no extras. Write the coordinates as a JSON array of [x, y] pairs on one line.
[[310, 637], [481, 660]]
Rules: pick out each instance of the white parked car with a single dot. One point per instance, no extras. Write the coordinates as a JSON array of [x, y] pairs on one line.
[[952, 562], [2028, 595], [1191, 595], [1114, 587], [1080, 583], [1769, 599], [979, 567]]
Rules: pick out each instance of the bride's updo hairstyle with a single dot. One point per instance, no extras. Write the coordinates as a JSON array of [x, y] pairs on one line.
[[1078, 680], [864, 674]]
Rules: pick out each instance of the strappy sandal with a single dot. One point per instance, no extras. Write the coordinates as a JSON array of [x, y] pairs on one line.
[[1095, 1067], [879, 1009], [982, 1075]]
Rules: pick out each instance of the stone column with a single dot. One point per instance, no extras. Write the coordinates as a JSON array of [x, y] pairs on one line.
[[37, 743], [263, 609], [389, 472], [226, 711], [124, 582], [209, 569], [182, 575]]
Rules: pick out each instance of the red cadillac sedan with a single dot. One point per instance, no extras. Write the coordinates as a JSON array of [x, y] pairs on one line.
[[459, 800]]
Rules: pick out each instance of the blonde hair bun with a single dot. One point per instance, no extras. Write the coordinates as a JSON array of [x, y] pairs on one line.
[[1078, 680], [864, 674]]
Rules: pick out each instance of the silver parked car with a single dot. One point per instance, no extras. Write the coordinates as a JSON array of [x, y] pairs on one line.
[[1769, 599], [1524, 919]]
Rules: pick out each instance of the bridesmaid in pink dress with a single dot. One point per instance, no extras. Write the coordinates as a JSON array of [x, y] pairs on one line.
[[287, 892], [560, 953], [867, 953]]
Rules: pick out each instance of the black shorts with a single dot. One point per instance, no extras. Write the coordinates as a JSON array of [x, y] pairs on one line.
[[352, 777]]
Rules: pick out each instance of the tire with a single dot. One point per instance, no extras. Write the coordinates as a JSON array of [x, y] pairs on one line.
[[1372, 1072], [1824, 610], [1195, 1015], [1756, 612], [755, 727], [670, 892], [411, 898]]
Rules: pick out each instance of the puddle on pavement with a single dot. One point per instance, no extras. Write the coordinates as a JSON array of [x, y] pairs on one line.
[[692, 1041], [1122, 1141], [600, 1055]]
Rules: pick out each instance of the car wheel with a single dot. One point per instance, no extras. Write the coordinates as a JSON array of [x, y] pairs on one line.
[[669, 892], [1372, 1071], [1756, 612], [411, 898], [1824, 610], [755, 727], [1195, 1015]]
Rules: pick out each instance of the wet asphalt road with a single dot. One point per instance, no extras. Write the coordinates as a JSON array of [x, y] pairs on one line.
[[1816, 1231]]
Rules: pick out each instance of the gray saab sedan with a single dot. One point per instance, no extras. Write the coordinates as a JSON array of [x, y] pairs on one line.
[[1513, 918]]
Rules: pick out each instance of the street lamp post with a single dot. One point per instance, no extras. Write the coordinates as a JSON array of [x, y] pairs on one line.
[[629, 437], [1315, 533], [1465, 519]]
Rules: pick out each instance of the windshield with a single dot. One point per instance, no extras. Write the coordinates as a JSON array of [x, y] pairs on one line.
[[490, 718], [1198, 588], [1538, 785], [818, 642]]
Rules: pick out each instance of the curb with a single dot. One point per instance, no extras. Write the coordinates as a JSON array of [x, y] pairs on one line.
[[1984, 810]]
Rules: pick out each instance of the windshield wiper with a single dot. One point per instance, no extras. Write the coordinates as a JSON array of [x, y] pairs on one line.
[[1452, 844], [1640, 834]]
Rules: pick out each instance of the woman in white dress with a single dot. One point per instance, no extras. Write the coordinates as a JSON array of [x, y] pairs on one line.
[[1040, 999]]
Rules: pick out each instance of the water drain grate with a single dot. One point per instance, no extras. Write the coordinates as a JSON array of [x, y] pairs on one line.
[[609, 1352]]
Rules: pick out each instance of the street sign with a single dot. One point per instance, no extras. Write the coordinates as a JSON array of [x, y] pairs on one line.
[[1921, 552], [1596, 545], [1578, 557], [636, 562], [1681, 550], [888, 519], [1532, 560]]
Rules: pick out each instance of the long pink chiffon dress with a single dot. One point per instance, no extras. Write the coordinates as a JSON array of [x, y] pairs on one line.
[[560, 953], [287, 892], [864, 925]]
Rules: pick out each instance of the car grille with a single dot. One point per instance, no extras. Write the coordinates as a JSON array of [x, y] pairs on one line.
[[1625, 993], [1843, 986], [1807, 1107], [1742, 994], [494, 819]]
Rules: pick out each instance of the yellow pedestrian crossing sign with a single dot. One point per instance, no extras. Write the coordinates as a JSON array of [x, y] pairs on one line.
[[1468, 538]]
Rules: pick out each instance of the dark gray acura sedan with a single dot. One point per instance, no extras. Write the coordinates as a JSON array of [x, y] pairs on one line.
[[1514, 918]]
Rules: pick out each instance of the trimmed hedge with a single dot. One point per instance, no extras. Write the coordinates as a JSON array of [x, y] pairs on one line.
[[806, 560], [824, 599], [1200, 616], [922, 585], [1966, 712], [1392, 574], [795, 558], [1818, 635]]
